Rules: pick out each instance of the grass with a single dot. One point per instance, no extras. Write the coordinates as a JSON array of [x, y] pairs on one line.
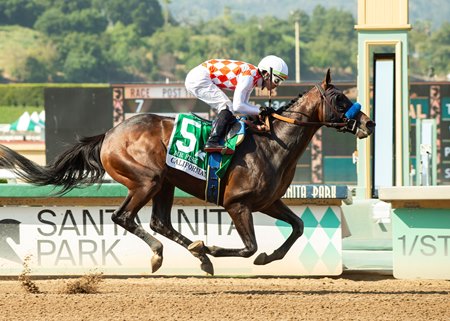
[[16, 43], [9, 114]]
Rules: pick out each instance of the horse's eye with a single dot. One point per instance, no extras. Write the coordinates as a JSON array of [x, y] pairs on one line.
[[344, 102]]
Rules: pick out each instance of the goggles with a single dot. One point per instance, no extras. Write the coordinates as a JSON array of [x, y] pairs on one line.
[[277, 80], [277, 77]]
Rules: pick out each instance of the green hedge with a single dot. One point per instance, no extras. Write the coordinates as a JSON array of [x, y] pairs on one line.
[[22, 95], [15, 99]]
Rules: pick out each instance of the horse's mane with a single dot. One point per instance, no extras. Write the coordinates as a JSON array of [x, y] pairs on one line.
[[289, 104]]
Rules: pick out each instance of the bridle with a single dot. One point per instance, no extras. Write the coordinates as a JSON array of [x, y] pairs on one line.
[[348, 125]]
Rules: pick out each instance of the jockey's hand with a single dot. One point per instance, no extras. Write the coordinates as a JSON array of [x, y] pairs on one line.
[[256, 127], [265, 111]]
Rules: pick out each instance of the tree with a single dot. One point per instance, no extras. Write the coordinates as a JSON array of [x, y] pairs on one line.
[[429, 50], [418, 45], [66, 6], [332, 41], [27, 55], [52, 22], [146, 15], [170, 48], [116, 40], [440, 50], [33, 70], [55, 22], [87, 21], [85, 60], [129, 53], [20, 12]]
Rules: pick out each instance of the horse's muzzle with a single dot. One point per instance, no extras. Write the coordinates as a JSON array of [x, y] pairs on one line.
[[365, 129], [366, 126]]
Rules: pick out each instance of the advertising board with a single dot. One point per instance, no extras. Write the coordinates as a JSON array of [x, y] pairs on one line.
[[73, 240]]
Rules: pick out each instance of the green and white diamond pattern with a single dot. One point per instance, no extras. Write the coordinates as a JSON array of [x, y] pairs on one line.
[[319, 250]]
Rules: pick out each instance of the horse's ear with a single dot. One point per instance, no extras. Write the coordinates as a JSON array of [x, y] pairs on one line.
[[327, 79]]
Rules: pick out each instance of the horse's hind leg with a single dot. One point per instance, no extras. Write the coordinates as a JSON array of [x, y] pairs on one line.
[[243, 222], [162, 224], [280, 211], [125, 217]]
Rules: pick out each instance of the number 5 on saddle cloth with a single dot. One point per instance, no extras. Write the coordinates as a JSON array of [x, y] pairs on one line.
[[185, 151]]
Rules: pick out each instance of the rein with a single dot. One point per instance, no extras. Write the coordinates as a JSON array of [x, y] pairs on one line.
[[308, 123]]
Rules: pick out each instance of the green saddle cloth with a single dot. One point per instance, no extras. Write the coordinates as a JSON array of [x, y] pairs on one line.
[[185, 151]]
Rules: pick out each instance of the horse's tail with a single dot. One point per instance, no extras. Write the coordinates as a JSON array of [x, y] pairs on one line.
[[78, 165]]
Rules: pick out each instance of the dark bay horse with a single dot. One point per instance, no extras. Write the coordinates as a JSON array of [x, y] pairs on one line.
[[134, 152]]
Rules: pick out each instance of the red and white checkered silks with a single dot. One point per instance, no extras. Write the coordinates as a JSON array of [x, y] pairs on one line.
[[224, 73], [208, 81]]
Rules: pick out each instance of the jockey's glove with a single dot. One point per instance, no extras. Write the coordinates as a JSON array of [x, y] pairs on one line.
[[266, 111]]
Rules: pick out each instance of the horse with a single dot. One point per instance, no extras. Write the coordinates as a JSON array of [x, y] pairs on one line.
[[133, 153]]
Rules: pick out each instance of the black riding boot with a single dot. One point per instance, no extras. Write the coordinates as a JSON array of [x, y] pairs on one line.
[[218, 132]]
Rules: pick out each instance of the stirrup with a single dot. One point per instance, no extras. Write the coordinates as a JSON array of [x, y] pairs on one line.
[[218, 149], [227, 151]]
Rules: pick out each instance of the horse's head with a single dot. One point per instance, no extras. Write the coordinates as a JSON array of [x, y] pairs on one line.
[[337, 109]]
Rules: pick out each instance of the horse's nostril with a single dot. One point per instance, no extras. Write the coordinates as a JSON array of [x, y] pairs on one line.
[[370, 125]]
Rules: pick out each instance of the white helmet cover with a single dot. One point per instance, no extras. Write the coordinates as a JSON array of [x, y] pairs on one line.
[[279, 68]]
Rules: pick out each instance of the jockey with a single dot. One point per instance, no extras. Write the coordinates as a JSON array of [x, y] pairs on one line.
[[207, 81]]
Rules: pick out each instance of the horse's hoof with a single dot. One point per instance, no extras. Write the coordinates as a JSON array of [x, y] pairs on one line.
[[261, 259], [156, 262], [207, 267], [197, 248]]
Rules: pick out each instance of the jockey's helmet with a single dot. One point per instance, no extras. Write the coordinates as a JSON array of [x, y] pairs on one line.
[[279, 69]]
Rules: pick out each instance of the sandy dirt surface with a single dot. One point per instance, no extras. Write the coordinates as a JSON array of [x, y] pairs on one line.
[[349, 297]]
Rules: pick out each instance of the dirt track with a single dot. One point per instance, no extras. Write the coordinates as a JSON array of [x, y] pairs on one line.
[[352, 297]]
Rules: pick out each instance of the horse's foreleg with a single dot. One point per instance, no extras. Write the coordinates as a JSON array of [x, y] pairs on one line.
[[161, 223], [280, 211], [125, 217], [243, 222]]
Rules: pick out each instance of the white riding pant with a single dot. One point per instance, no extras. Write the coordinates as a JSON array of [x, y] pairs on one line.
[[199, 83]]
